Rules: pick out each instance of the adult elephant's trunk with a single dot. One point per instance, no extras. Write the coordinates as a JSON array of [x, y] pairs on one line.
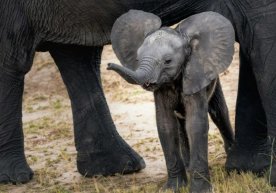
[[140, 76]]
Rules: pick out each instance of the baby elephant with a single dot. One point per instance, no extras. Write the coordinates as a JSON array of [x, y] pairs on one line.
[[181, 66]]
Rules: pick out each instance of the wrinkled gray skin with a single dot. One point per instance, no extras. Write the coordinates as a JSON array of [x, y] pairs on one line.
[[74, 32], [169, 64]]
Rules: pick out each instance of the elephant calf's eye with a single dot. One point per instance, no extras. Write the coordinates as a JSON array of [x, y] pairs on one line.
[[168, 61]]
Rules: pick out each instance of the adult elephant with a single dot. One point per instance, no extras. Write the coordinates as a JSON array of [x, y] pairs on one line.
[[75, 31]]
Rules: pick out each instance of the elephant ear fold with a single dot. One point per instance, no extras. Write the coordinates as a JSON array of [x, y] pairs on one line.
[[211, 38], [129, 32]]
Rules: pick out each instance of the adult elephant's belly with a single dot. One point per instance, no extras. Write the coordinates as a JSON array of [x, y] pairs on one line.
[[82, 22], [254, 22], [89, 22]]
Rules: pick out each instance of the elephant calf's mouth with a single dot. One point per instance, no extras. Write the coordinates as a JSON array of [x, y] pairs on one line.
[[150, 86]]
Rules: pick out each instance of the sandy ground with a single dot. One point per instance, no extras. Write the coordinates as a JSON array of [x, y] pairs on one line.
[[49, 132]]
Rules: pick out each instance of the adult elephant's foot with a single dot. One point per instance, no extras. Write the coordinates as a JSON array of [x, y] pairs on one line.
[[14, 169], [254, 158], [175, 184], [115, 160]]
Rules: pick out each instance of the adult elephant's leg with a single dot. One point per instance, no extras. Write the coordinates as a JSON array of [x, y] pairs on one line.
[[265, 72], [166, 101], [101, 150], [219, 113], [13, 165], [17, 44], [249, 152]]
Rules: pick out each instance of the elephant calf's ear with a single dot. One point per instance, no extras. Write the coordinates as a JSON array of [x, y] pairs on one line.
[[212, 39], [128, 34]]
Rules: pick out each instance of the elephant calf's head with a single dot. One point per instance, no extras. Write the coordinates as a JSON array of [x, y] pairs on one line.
[[200, 48], [160, 58]]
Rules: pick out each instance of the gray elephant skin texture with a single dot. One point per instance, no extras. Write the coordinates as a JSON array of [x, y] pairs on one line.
[[74, 32], [181, 67]]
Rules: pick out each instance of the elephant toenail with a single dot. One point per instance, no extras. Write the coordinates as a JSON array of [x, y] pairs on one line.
[[4, 179], [142, 164], [23, 178]]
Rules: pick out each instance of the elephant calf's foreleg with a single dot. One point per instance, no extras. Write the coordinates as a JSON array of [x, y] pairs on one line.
[[13, 165], [196, 106], [166, 101]]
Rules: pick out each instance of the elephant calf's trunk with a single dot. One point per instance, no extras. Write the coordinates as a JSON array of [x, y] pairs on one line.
[[130, 76]]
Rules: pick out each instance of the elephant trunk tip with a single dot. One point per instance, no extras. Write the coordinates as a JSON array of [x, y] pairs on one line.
[[110, 66]]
